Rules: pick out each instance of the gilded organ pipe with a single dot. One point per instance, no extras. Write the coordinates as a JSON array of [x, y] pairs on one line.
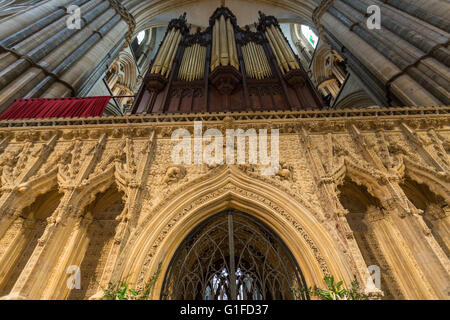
[[274, 49], [278, 52], [190, 64], [193, 63], [287, 49], [260, 74], [201, 63], [250, 62], [224, 50], [232, 50], [256, 63], [182, 71], [156, 68], [171, 54], [260, 61], [253, 60], [164, 52], [198, 61], [166, 55], [215, 61], [283, 52], [281, 45], [224, 57], [246, 62], [266, 62]]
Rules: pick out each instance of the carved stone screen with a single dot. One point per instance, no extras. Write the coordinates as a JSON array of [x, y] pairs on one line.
[[232, 256]]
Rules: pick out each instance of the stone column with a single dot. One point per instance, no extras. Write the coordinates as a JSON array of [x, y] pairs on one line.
[[36, 274], [429, 263], [44, 58], [129, 218], [18, 241], [401, 73], [430, 257], [335, 213]]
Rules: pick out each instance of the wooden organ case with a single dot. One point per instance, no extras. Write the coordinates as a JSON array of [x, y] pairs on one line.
[[225, 68]]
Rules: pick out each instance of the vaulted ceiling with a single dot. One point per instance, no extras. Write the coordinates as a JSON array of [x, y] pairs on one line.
[[152, 13]]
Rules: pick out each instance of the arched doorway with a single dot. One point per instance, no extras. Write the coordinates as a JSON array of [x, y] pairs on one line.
[[263, 267]]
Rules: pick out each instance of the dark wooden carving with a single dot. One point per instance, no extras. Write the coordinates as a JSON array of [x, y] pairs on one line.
[[225, 79]]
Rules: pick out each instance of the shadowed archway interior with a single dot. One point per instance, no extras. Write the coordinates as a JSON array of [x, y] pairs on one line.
[[263, 267]]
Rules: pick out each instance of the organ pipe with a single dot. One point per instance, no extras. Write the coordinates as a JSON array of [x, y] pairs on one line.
[[277, 51], [283, 52], [287, 49], [171, 54], [166, 55], [216, 47], [265, 62], [232, 50], [224, 51], [255, 60], [260, 73], [249, 63], [156, 68], [193, 63], [183, 63], [189, 68]]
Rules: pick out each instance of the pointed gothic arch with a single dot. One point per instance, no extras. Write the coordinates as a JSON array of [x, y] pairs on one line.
[[100, 227], [439, 183], [164, 229], [263, 268], [362, 177], [362, 210], [22, 237]]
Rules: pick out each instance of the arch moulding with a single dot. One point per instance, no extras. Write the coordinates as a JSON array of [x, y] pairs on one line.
[[158, 236]]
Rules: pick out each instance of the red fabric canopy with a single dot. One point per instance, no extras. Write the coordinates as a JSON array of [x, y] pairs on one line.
[[56, 108]]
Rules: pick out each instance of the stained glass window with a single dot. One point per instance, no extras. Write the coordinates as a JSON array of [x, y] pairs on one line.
[[310, 35]]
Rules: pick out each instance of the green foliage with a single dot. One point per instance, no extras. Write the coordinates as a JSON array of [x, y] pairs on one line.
[[334, 291], [124, 290]]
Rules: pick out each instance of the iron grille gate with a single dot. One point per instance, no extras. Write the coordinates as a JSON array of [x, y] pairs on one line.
[[232, 256]]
